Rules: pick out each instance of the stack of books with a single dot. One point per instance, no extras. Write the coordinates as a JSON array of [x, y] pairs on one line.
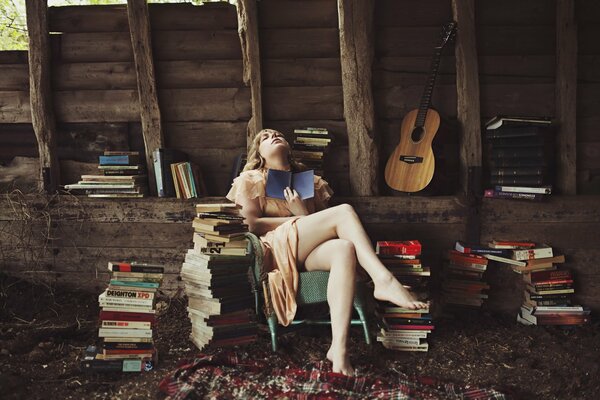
[[518, 154], [463, 283], [127, 320], [187, 180], [123, 177], [215, 273], [549, 291], [404, 329], [310, 147]]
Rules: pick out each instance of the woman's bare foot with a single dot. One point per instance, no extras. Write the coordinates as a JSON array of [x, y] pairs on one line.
[[389, 289], [340, 360]]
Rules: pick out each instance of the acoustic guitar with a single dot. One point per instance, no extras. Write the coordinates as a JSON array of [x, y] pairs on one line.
[[411, 165]]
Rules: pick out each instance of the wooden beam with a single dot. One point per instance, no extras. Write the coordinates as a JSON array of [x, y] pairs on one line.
[[139, 28], [356, 56], [40, 93], [248, 33], [566, 96], [467, 91]]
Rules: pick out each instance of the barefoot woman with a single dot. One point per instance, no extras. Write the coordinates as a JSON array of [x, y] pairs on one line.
[[297, 233]]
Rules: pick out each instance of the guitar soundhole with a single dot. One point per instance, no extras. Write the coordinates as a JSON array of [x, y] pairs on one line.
[[417, 134]]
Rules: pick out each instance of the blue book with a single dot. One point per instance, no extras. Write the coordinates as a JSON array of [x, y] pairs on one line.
[[149, 285], [303, 182], [118, 160]]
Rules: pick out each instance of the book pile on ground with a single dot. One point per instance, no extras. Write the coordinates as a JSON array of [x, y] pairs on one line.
[[549, 291], [215, 273], [123, 177], [310, 147], [127, 320], [404, 329], [518, 154], [463, 283]]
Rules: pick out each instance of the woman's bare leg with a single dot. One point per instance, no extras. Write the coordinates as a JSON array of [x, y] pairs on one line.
[[342, 222], [339, 258]]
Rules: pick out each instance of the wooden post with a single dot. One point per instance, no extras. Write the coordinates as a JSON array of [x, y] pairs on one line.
[[139, 28], [467, 92], [40, 93], [356, 56], [248, 32], [566, 96]]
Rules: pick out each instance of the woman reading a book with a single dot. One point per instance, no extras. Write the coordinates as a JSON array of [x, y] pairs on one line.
[[298, 233]]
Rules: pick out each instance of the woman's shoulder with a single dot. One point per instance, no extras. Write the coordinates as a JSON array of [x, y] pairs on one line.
[[254, 175]]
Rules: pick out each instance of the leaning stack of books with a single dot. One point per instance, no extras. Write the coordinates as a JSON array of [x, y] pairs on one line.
[[127, 319], [463, 283], [518, 154], [215, 273], [123, 177], [549, 291], [404, 329], [310, 147]]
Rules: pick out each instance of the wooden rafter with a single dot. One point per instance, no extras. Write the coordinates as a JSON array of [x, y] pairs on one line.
[[566, 96], [40, 93], [467, 92], [248, 32], [139, 28], [356, 56]]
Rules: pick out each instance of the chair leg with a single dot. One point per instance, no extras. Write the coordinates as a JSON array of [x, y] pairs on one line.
[[272, 322], [361, 314]]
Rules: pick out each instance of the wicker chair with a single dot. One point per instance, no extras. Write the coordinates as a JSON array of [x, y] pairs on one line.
[[312, 289]]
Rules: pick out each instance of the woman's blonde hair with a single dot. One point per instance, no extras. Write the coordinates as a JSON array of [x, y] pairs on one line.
[[256, 161]]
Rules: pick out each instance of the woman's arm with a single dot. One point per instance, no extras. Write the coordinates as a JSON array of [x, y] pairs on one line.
[[252, 214]]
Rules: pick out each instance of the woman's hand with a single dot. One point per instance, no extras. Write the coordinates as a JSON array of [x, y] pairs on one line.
[[295, 203]]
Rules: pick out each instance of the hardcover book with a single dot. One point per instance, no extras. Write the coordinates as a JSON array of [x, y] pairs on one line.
[[302, 182]]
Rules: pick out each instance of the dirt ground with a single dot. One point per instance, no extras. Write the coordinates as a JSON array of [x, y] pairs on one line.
[[43, 333]]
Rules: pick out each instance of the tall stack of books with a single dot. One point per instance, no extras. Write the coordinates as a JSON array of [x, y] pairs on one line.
[[310, 147], [463, 283], [549, 291], [127, 319], [518, 152], [404, 329], [123, 177], [215, 273]]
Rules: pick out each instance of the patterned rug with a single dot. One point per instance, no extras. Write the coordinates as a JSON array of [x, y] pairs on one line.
[[229, 375]]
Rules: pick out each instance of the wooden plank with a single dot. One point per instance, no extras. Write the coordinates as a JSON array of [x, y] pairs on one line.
[[302, 72], [97, 106], [15, 107], [299, 43], [169, 45], [492, 41], [85, 142], [17, 134], [13, 57], [467, 93], [588, 102], [587, 128], [356, 56], [514, 12], [249, 40], [297, 14], [297, 103], [588, 155], [206, 135], [533, 99], [588, 11], [14, 76], [169, 74], [40, 94], [113, 18], [71, 170], [107, 235], [588, 68], [393, 13], [588, 39], [226, 104], [557, 209], [566, 96], [141, 42], [396, 101], [7, 152]]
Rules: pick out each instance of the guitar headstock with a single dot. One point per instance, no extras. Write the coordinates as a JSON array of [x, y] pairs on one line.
[[448, 33]]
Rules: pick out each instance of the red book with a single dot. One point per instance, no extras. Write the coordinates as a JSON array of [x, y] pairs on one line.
[[467, 257], [544, 276], [410, 247], [127, 316]]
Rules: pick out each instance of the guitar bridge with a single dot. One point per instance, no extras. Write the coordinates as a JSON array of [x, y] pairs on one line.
[[411, 159]]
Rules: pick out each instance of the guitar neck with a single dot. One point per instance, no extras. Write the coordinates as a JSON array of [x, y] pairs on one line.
[[425, 103]]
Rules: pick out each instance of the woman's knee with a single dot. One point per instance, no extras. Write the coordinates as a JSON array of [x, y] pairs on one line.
[[345, 250], [345, 211]]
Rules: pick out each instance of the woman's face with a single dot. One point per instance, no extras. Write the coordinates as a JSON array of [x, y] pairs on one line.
[[273, 144]]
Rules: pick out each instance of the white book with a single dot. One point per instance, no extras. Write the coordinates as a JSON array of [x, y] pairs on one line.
[[533, 254], [541, 310], [125, 324], [116, 332], [505, 260], [525, 189]]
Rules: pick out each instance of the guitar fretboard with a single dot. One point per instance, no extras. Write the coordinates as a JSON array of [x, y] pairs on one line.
[[425, 103]]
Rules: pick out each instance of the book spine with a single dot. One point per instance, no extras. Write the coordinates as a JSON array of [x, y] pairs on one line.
[[125, 324], [517, 180], [159, 172], [117, 332], [518, 171], [117, 160], [524, 189], [125, 267], [532, 254]]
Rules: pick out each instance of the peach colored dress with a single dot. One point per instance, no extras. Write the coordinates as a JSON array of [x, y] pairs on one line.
[[281, 244]]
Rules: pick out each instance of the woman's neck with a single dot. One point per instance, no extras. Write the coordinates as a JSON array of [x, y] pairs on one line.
[[281, 164]]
